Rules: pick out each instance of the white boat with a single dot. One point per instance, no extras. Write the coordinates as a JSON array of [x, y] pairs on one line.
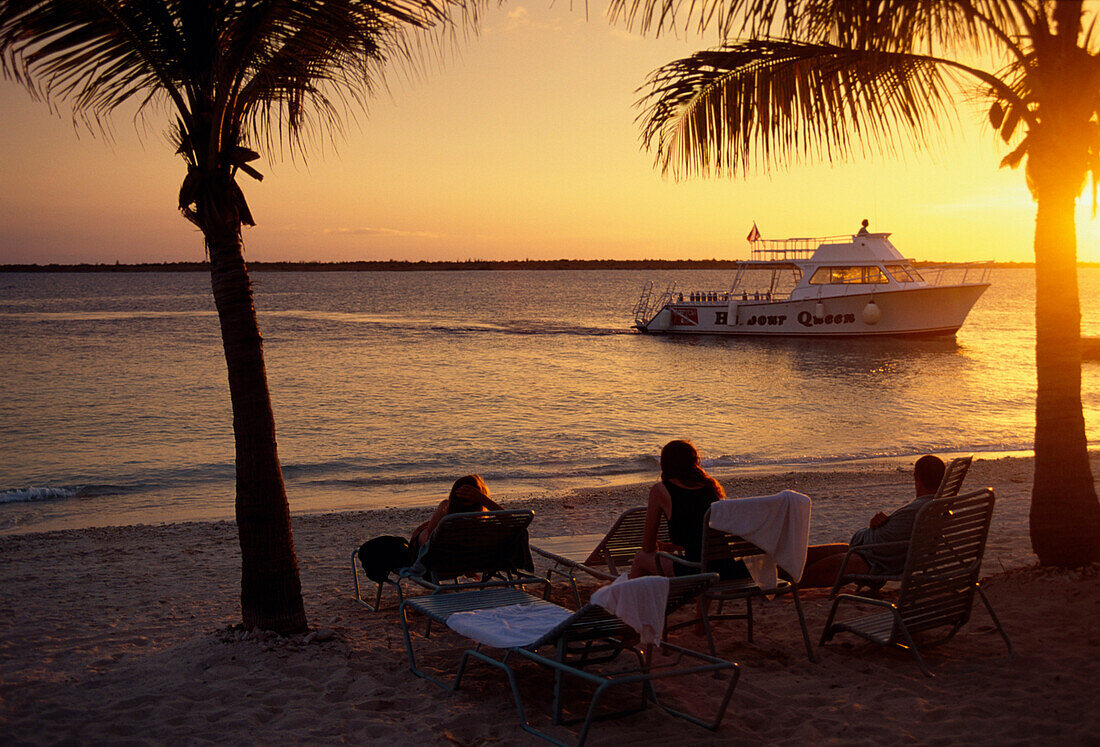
[[855, 285]]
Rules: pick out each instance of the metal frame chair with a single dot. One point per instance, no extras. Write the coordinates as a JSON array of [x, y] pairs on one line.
[[949, 487], [939, 580], [589, 637], [719, 547], [488, 545], [614, 551]]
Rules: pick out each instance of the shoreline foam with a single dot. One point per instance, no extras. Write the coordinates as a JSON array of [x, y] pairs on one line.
[[45, 509]]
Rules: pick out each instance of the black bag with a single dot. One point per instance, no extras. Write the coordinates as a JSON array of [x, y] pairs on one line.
[[381, 555]]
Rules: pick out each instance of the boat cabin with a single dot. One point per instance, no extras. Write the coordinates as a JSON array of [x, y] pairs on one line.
[[789, 268]]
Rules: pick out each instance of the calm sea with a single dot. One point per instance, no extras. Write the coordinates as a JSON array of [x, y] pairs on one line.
[[387, 386]]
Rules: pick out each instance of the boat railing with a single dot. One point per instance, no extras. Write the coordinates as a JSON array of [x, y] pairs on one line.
[[649, 302], [966, 273], [764, 250], [708, 296], [704, 296]]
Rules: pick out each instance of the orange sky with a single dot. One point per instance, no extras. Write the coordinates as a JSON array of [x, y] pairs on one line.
[[523, 147]]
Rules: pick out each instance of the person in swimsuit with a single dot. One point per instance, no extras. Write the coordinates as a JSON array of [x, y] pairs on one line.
[[683, 497]]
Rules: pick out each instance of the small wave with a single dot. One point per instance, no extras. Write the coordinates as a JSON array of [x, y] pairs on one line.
[[532, 331], [449, 325], [29, 495], [103, 316], [570, 331], [378, 482], [444, 473], [753, 460], [33, 494]]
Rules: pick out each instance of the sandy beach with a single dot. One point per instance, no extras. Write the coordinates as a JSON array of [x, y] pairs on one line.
[[125, 635]]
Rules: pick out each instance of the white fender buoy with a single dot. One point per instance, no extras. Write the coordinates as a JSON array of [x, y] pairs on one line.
[[731, 310], [819, 310], [872, 314]]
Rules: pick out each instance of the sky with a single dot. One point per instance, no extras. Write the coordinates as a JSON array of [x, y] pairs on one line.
[[523, 146]]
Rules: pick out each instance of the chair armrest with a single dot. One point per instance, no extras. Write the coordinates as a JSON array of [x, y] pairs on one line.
[[595, 572], [880, 545], [868, 577], [680, 560], [864, 600], [841, 575]]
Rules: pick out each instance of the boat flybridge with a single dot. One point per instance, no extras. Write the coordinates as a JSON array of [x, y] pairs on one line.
[[852, 285]]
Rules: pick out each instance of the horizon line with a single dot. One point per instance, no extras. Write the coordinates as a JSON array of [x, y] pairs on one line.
[[424, 264]]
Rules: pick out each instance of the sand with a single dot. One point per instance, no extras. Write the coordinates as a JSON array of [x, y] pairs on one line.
[[126, 635]]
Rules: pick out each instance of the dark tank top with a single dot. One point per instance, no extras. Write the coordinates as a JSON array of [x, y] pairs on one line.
[[685, 525]]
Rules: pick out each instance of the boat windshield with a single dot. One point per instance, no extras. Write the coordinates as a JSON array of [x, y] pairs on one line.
[[904, 273], [847, 274], [754, 281]]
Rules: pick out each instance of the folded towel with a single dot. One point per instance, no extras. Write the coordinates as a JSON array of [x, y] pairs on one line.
[[508, 627], [778, 524], [639, 602]]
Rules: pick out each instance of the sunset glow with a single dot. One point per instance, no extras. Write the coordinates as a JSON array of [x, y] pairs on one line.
[[524, 146]]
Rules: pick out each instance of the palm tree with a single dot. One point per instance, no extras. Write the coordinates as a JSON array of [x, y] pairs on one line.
[[231, 74], [826, 79]]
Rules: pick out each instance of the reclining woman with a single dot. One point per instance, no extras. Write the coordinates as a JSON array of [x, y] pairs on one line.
[[381, 555], [469, 494], [683, 497]]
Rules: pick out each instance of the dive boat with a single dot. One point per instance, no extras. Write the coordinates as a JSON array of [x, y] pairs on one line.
[[853, 285]]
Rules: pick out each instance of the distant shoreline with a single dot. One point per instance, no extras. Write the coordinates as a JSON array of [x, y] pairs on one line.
[[437, 266]]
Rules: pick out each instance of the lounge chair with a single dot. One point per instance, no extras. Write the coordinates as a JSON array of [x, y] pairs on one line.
[[938, 582], [949, 487], [604, 557], [489, 548], [591, 636], [718, 548]]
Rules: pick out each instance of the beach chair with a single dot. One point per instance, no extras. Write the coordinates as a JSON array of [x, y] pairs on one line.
[[487, 548], [582, 642], [604, 557], [938, 583], [719, 548], [949, 487]]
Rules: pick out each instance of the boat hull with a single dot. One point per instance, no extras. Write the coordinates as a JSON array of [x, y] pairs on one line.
[[937, 310]]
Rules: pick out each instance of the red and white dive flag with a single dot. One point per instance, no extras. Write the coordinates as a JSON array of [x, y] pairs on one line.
[[754, 234]]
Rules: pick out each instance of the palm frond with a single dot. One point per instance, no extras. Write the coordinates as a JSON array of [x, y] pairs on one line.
[[927, 26], [268, 70], [760, 103], [1013, 159], [295, 75], [96, 55]]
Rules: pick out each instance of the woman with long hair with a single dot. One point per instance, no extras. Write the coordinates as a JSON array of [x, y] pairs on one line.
[[382, 555], [468, 494], [683, 497]]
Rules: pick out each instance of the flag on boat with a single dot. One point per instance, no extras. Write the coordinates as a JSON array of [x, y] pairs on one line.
[[754, 234]]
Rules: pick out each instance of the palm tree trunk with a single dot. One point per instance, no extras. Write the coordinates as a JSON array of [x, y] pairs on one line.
[[1065, 515], [271, 593]]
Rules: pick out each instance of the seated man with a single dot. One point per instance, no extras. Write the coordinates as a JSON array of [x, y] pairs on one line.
[[823, 562]]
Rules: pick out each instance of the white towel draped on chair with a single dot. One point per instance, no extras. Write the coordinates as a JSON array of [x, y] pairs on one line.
[[508, 627], [778, 524], [639, 602]]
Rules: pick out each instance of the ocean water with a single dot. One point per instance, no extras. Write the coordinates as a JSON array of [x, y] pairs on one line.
[[387, 386]]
